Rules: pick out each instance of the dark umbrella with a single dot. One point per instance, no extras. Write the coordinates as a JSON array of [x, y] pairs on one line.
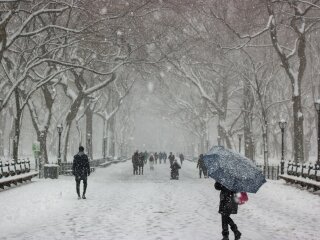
[[232, 170]]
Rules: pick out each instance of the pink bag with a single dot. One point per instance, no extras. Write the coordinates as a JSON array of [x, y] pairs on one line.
[[242, 198]]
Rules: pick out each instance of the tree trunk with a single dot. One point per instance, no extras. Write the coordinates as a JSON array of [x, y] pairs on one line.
[[89, 136], [298, 129], [42, 138], [17, 120], [69, 119], [112, 136], [248, 103]]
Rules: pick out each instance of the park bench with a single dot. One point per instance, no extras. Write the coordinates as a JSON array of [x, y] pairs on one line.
[[11, 174], [303, 174], [308, 183], [66, 169]]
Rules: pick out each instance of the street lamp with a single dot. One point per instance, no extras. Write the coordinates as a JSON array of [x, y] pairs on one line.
[[317, 105], [282, 125], [60, 129], [239, 136]]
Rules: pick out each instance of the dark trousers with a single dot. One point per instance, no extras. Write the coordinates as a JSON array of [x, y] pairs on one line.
[[135, 170], [85, 184], [140, 170], [226, 220]]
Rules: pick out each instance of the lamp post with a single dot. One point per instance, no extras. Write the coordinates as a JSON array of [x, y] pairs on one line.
[[60, 129], [239, 136], [282, 125], [317, 105]]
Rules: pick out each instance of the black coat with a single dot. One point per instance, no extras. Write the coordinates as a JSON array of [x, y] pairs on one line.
[[81, 166], [200, 163], [228, 204], [175, 166]]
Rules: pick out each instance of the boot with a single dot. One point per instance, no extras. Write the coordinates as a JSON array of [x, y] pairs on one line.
[[84, 196], [237, 235], [225, 238]]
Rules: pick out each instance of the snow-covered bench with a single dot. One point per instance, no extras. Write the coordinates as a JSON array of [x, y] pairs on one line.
[[311, 171], [304, 182], [8, 181]]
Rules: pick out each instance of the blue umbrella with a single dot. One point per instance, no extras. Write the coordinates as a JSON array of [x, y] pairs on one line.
[[232, 170]]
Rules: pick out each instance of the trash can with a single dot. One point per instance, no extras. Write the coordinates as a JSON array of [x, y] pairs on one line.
[[51, 171]]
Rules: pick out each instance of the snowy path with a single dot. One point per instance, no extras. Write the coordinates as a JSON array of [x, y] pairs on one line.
[[123, 206]]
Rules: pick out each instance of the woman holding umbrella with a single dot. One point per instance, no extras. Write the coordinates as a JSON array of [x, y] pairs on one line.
[[233, 173], [227, 207]]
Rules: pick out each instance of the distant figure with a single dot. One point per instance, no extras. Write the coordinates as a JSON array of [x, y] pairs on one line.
[[145, 155], [135, 162], [202, 167], [181, 158], [160, 157], [151, 162], [156, 157], [175, 170], [165, 157], [227, 207], [171, 158], [81, 170], [141, 163]]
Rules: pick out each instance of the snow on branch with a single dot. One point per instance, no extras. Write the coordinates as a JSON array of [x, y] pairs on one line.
[[29, 19], [310, 3], [247, 36]]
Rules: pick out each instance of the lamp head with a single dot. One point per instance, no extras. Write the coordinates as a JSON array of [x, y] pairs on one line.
[[317, 104], [282, 124], [60, 128]]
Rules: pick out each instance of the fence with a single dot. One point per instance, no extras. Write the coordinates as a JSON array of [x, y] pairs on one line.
[[270, 172]]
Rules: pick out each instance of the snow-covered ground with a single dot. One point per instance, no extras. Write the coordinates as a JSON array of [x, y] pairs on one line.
[[122, 206]]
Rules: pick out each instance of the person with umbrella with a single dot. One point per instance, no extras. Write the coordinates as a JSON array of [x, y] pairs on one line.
[[227, 207], [234, 173]]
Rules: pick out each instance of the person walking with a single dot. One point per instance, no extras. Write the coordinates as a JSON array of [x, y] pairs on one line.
[[227, 207], [171, 158], [165, 157], [141, 163], [175, 170], [81, 171], [202, 167], [151, 162], [181, 156], [135, 162]]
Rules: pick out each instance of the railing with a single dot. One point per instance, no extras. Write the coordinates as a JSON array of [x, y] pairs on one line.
[[270, 172]]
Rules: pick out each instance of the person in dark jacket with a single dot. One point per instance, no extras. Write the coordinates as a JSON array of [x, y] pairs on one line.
[[135, 162], [202, 167], [141, 163], [227, 207], [175, 170], [81, 170], [171, 158], [181, 158]]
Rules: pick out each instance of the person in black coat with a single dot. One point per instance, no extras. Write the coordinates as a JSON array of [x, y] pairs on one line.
[[135, 162], [175, 170], [227, 207], [81, 170], [202, 167], [171, 158]]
